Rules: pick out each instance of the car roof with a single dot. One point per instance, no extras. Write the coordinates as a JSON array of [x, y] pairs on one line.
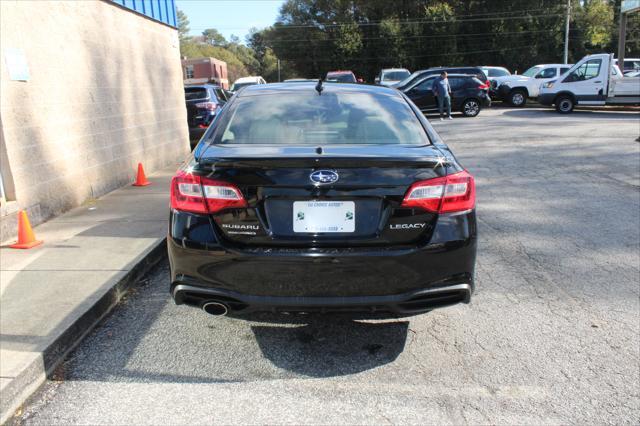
[[310, 87], [438, 75], [202, 86], [395, 69], [457, 74], [340, 72], [247, 79], [451, 68], [553, 65]]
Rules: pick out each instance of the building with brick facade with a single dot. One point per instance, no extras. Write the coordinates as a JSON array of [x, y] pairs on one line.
[[205, 70], [87, 90]]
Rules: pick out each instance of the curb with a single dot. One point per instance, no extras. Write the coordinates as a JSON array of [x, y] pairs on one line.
[[27, 382]]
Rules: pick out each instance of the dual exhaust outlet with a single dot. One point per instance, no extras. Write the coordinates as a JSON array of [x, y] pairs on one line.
[[217, 309]]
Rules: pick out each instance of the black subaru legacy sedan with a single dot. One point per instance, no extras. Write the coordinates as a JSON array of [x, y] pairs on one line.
[[304, 197]]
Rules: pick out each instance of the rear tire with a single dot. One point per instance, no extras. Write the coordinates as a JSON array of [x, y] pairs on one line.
[[565, 104], [471, 107], [518, 98]]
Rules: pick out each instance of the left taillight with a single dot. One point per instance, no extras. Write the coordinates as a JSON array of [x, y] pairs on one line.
[[485, 86], [452, 193], [197, 194]]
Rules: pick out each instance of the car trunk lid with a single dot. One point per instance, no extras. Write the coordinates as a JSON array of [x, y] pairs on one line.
[[286, 207]]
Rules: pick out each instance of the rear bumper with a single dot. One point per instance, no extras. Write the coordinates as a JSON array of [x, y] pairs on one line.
[[409, 303], [349, 278]]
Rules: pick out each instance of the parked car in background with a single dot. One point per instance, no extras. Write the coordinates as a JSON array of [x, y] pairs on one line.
[[391, 76], [468, 94], [516, 89], [341, 77], [493, 72], [203, 103], [630, 65], [246, 81], [351, 197], [418, 75], [496, 76], [298, 80], [594, 81]]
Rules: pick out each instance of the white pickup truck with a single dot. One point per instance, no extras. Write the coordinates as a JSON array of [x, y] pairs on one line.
[[595, 80], [515, 89]]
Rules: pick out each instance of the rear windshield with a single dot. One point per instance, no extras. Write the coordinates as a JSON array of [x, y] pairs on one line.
[[222, 97], [411, 79], [341, 78], [497, 72], [238, 86], [631, 64], [472, 71], [192, 93], [332, 118], [395, 75]]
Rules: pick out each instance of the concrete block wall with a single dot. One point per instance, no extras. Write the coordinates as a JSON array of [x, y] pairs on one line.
[[105, 92]]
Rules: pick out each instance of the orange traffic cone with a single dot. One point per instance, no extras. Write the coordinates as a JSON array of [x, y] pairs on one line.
[[141, 179], [26, 237]]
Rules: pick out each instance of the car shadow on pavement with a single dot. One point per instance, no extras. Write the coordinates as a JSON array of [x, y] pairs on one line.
[[325, 347], [147, 338]]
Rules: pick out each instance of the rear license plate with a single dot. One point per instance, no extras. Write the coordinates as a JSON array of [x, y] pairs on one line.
[[324, 216]]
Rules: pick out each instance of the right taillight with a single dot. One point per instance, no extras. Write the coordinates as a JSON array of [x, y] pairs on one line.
[[197, 194], [452, 193], [209, 106]]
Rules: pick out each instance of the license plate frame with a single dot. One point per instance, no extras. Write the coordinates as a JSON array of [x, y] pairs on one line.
[[321, 216]]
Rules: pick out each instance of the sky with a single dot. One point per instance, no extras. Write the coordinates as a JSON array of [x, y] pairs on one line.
[[229, 16]]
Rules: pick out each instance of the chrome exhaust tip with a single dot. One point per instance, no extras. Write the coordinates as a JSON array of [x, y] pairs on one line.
[[215, 308]]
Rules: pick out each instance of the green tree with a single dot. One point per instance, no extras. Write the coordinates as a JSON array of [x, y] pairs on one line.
[[213, 37], [314, 36], [597, 20], [349, 40], [183, 25]]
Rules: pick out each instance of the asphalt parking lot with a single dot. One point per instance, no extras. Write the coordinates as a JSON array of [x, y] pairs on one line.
[[551, 336]]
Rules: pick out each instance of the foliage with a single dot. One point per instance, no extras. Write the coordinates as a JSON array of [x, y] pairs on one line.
[[213, 37], [315, 36], [183, 25], [597, 19], [311, 37]]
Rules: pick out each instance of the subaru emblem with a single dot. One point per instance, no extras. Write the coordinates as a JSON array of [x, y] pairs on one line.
[[323, 177]]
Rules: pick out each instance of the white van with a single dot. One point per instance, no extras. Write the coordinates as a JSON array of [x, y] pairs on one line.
[[595, 80], [515, 89]]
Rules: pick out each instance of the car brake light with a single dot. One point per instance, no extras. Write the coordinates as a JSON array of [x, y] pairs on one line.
[[484, 85], [452, 193], [209, 106], [198, 194]]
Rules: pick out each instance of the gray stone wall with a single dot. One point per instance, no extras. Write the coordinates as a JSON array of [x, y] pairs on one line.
[[105, 92]]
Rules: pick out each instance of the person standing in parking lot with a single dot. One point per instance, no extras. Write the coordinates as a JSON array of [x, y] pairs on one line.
[[442, 90]]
